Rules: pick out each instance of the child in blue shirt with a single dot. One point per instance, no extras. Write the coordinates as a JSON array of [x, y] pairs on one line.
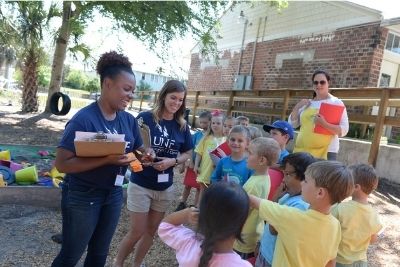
[[234, 167], [282, 132]]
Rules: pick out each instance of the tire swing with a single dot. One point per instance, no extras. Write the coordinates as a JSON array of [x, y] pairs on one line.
[[66, 104]]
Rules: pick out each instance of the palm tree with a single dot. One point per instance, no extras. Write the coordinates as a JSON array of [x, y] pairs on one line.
[[24, 24]]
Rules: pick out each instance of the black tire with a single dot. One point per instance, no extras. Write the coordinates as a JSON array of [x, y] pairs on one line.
[[66, 104]]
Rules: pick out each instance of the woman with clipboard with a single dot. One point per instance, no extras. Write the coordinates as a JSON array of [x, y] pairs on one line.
[[322, 120]]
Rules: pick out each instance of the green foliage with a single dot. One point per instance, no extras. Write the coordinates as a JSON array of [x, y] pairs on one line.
[[354, 130], [44, 75], [143, 87], [92, 85], [18, 76], [76, 79]]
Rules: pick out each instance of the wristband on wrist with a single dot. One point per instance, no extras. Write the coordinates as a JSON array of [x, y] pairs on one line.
[[176, 162]]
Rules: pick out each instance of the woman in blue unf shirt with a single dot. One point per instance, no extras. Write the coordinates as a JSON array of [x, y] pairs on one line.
[[150, 192], [91, 196]]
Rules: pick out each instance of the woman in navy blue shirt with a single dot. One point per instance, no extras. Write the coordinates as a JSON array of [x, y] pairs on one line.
[[91, 196], [150, 192]]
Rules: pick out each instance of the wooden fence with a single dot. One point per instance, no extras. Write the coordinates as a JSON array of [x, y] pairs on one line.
[[278, 103]]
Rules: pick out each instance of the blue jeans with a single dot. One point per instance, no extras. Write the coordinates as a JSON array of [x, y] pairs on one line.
[[90, 217]]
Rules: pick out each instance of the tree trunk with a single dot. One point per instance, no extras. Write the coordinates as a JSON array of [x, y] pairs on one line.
[[60, 53], [30, 85]]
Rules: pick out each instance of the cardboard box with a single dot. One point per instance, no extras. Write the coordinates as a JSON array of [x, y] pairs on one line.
[[84, 147]]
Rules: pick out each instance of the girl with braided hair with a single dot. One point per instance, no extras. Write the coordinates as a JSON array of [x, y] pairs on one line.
[[223, 211]]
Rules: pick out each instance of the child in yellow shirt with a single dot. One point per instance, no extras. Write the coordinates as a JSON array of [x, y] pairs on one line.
[[203, 165], [312, 237], [359, 221], [262, 153]]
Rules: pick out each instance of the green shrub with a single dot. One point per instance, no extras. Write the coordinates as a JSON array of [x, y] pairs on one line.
[[92, 85], [143, 87], [76, 79], [44, 76]]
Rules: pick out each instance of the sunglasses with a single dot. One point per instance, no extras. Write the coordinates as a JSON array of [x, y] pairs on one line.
[[320, 82]]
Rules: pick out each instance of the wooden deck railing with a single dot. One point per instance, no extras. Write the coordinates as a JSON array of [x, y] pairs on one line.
[[278, 103]]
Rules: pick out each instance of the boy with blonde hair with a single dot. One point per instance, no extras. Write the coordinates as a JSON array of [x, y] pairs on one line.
[[359, 221], [312, 237], [262, 152]]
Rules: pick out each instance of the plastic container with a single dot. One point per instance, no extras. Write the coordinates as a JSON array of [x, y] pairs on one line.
[[5, 155], [26, 176]]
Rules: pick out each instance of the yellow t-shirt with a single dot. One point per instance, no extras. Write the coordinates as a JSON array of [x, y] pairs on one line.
[[305, 238], [207, 144], [257, 185], [359, 222]]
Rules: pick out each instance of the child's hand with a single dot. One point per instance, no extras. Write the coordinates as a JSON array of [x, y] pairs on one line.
[[196, 170], [280, 191], [254, 202], [193, 216]]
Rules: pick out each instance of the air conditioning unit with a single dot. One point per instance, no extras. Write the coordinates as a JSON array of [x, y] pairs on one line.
[[238, 83]]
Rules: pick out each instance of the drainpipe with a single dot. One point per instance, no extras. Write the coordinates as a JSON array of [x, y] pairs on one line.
[[265, 25], [254, 47], [241, 49]]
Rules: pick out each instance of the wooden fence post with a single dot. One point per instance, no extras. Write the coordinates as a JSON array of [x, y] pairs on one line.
[[230, 104], [196, 103], [285, 104], [141, 101], [380, 120]]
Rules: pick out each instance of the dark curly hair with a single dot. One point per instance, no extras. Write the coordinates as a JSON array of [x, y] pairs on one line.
[[111, 64]]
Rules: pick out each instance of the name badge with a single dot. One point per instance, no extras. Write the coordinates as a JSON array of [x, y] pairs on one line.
[[119, 180], [163, 177]]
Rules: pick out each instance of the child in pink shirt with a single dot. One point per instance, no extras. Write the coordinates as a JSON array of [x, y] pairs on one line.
[[223, 210]]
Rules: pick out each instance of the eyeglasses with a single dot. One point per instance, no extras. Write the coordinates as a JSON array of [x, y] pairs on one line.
[[320, 82], [288, 173]]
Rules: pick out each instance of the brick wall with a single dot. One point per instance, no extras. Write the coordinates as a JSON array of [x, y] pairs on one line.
[[352, 55]]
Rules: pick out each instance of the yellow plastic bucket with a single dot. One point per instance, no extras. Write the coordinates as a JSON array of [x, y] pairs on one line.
[[26, 176], [5, 155]]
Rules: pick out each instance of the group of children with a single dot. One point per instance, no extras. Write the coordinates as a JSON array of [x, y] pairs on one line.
[[243, 215]]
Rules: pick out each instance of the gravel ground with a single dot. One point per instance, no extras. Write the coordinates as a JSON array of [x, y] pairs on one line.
[[25, 231]]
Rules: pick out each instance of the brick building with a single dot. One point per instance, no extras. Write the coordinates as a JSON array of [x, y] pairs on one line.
[[281, 50], [261, 48]]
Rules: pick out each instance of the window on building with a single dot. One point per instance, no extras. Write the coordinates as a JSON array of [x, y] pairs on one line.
[[156, 78], [152, 77], [164, 79], [143, 76], [393, 43]]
